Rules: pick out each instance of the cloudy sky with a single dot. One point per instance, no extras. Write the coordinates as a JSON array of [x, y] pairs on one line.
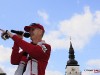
[[62, 19]]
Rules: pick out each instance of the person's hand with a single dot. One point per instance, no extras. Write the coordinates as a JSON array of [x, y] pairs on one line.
[[4, 34], [3, 31]]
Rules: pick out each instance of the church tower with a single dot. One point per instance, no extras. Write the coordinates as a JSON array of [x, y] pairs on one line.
[[72, 67]]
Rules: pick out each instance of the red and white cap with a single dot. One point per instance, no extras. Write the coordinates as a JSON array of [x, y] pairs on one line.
[[33, 25]]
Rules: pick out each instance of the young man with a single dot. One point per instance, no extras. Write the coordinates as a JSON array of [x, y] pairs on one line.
[[33, 58]]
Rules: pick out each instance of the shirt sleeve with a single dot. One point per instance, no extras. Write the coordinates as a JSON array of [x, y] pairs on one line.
[[34, 51], [16, 55]]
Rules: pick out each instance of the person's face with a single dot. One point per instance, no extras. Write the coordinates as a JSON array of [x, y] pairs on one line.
[[34, 33]]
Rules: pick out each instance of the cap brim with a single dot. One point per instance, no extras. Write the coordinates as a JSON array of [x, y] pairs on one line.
[[27, 28]]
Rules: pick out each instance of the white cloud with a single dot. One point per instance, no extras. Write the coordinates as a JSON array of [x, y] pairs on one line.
[[4, 53], [44, 16], [5, 57], [81, 27], [53, 73], [94, 63], [9, 70], [53, 39]]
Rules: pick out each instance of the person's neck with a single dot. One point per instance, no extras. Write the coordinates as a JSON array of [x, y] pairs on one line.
[[35, 41]]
